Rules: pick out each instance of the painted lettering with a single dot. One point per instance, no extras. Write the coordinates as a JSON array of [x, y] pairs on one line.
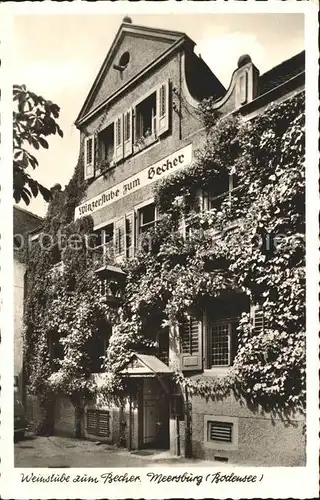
[[151, 173], [179, 159], [131, 185]]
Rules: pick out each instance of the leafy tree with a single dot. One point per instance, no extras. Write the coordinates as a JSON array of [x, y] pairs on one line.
[[33, 120]]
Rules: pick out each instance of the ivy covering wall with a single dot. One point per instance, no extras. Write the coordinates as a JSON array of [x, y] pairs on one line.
[[266, 157]]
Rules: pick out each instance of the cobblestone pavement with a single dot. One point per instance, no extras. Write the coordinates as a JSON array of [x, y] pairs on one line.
[[55, 451]]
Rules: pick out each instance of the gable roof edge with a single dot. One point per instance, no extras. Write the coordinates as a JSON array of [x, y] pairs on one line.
[[124, 27], [81, 120]]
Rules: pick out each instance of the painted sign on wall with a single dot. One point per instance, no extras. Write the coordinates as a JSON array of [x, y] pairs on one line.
[[180, 159]]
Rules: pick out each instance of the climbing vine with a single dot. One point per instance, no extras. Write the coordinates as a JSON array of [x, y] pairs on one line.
[[266, 158]]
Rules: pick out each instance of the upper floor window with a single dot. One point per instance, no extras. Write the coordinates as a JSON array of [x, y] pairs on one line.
[[102, 243], [223, 189], [122, 236], [145, 120], [146, 218], [131, 131], [106, 146]]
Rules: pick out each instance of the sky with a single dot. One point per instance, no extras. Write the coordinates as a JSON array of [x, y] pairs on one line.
[[59, 56]]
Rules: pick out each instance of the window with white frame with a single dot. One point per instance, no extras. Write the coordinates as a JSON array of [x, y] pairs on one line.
[[106, 143], [193, 207], [223, 189], [146, 220], [222, 342], [151, 116], [131, 131], [145, 118], [221, 325], [101, 241]]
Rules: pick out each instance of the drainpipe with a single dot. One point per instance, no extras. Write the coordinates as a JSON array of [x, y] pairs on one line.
[[180, 97], [187, 427], [130, 423], [178, 435]]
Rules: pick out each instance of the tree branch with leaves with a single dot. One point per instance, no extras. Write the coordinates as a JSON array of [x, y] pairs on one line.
[[34, 119]]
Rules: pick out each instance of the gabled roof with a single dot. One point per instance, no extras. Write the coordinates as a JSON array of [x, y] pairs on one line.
[[24, 220], [145, 365], [282, 73], [173, 37]]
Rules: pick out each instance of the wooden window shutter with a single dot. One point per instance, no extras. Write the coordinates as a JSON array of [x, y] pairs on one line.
[[130, 234], [118, 138], [98, 422], [191, 344], [92, 421], [119, 236], [234, 340], [89, 154], [163, 108], [127, 133], [258, 320], [104, 424]]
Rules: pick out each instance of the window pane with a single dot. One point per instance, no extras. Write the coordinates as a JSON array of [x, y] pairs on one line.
[[147, 217], [146, 112], [220, 344], [106, 139]]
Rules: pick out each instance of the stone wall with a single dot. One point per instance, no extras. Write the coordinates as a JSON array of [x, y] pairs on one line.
[[64, 418], [262, 438]]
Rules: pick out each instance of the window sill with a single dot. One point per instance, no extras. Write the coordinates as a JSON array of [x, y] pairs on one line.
[[137, 148], [106, 171], [222, 371]]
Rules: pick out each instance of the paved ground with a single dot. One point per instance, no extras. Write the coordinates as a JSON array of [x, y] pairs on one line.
[[55, 451]]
